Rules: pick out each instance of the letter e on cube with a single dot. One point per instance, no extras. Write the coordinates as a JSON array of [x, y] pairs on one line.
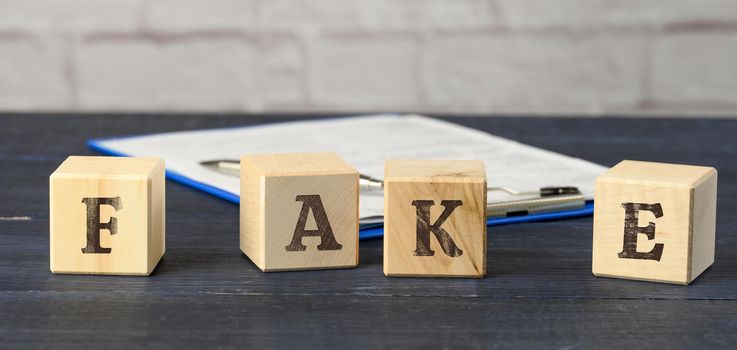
[[654, 221]]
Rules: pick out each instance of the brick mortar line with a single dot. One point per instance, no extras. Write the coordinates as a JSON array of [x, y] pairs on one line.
[[363, 32]]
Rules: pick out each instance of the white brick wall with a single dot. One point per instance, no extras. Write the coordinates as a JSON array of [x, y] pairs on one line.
[[69, 15], [33, 73], [357, 70], [300, 15], [607, 14], [193, 15], [695, 68], [180, 73], [461, 56], [534, 73]]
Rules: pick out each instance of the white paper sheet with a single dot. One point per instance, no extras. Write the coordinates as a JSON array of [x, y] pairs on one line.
[[366, 143]]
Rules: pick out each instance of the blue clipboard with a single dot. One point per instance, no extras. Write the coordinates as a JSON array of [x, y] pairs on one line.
[[369, 231]]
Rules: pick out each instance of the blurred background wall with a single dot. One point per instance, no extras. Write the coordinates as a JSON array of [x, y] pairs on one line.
[[582, 57]]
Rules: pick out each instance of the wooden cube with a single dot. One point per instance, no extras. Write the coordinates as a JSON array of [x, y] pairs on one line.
[[654, 221], [299, 211], [435, 218], [107, 215]]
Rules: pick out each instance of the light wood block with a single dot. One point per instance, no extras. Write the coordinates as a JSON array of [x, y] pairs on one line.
[[107, 215], [299, 211], [435, 218], [654, 221]]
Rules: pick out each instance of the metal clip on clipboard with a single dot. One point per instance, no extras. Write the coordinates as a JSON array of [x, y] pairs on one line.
[[549, 199]]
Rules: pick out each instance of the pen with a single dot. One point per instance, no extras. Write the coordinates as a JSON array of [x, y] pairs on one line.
[[551, 199], [233, 167]]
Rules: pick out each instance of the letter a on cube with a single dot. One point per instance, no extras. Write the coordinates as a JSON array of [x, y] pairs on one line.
[[435, 218], [299, 211], [654, 221], [107, 215]]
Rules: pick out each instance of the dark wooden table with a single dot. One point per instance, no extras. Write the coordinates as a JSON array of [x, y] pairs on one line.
[[205, 293]]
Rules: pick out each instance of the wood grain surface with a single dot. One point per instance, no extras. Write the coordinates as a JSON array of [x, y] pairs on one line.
[[539, 291], [107, 215], [301, 212], [678, 206], [435, 218]]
